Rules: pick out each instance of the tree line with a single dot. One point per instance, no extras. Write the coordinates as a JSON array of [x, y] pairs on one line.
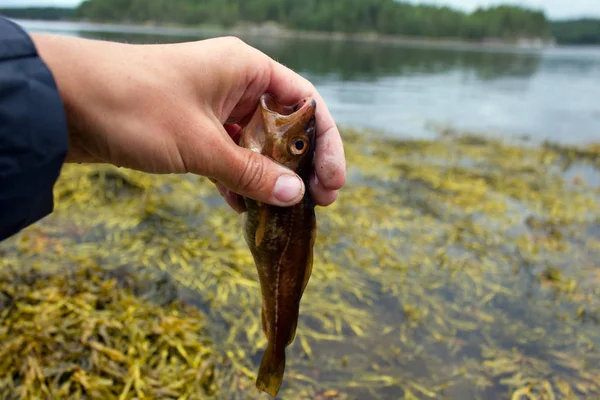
[[580, 31], [41, 13], [389, 17], [356, 16]]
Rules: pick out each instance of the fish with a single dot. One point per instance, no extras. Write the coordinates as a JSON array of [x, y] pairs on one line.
[[281, 239]]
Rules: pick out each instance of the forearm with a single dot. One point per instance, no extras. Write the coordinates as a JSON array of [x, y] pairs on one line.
[[83, 79], [33, 133], [102, 85]]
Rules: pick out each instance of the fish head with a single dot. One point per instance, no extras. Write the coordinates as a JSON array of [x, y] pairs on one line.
[[286, 134]]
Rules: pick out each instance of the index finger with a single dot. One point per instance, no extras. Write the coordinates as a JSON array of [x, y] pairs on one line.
[[330, 162]]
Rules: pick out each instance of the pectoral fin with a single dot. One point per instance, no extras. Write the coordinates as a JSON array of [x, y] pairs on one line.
[[261, 223]]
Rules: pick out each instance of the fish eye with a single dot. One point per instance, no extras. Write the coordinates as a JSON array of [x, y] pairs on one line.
[[298, 146]]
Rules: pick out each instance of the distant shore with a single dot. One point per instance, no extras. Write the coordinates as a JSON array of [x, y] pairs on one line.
[[276, 31]]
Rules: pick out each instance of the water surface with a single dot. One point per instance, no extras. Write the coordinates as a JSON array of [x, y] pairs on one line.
[[408, 91]]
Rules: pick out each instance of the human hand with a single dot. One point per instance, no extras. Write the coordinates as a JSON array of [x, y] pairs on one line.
[[176, 108]]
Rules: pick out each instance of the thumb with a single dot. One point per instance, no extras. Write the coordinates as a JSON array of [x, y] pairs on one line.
[[253, 175]]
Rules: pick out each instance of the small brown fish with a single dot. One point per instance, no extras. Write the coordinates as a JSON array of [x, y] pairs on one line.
[[281, 239]]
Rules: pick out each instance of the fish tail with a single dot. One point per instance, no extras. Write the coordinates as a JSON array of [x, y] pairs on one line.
[[270, 373]]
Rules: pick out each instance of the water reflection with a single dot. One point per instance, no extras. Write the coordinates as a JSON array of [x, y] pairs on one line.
[[356, 61], [351, 61], [407, 90]]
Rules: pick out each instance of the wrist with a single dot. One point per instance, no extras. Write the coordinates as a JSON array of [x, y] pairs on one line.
[[57, 56], [82, 70]]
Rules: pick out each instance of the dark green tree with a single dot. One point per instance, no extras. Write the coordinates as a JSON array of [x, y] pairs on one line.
[[390, 17], [581, 31]]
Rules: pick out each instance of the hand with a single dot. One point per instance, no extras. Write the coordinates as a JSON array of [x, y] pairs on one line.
[[175, 108]]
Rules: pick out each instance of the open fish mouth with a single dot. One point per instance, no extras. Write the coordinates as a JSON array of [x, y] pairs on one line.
[[305, 106]]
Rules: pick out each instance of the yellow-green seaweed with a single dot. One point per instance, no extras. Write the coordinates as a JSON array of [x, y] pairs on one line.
[[81, 334], [464, 267]]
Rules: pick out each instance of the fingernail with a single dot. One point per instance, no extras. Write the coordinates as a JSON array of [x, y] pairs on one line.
[[287, 188]]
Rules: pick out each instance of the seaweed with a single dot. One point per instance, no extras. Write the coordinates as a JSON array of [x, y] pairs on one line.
[[85, 335], [464, 267]]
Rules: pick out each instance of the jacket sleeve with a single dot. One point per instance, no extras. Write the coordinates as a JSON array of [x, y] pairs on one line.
[[33, 132]]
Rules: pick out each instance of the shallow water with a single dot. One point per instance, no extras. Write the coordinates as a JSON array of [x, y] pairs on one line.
[[406, 90], [456, 268], [447, 281]]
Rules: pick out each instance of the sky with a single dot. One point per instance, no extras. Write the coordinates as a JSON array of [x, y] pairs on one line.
[[553, 8]]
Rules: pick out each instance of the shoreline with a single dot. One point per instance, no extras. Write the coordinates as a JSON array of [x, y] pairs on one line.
[[276, 31]]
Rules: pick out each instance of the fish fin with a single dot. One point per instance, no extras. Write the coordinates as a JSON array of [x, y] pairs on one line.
[[307, 273], [292, 332], [270, 372], [309, 262], [263, 317], [262, 223]]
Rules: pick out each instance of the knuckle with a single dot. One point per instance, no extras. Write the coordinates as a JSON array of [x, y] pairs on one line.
[[335, 175], [237, 54], [234, 42], [253, 173]]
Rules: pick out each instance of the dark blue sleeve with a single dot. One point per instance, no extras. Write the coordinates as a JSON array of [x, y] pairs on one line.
[[33, 132]]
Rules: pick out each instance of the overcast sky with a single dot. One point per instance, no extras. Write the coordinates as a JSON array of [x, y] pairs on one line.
[[553, 8]]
